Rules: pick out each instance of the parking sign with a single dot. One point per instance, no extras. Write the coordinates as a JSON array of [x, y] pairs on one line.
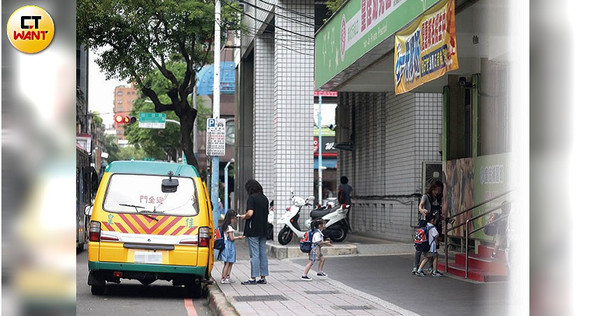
[[215, 137]]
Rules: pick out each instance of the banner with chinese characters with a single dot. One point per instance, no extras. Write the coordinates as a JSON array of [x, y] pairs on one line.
[[426, 49]]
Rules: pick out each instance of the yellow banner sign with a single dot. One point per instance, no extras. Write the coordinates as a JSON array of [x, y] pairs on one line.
[[426, 49]]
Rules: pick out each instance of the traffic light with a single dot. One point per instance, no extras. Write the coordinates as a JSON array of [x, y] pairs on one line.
[[125, 119]]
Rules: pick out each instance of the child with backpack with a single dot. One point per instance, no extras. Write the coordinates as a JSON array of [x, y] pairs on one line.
[[315, 252], [228, 254], [429, 249]]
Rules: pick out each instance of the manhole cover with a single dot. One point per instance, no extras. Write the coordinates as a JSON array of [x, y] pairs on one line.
[[260, 298]]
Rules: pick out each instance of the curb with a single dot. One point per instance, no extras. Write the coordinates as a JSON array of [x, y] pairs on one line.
[[218, 303]]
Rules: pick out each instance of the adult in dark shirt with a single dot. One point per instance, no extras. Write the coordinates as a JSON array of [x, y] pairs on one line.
[[255, 230], [344, 191]]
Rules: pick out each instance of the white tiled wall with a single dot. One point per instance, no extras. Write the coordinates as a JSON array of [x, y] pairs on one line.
[[264, 138], [283, 116], [393, 135]]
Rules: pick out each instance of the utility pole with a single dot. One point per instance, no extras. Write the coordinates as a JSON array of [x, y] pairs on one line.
[[216, 110], [320, 160]]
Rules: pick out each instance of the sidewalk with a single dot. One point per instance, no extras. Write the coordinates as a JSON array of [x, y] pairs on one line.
[[286, 294]]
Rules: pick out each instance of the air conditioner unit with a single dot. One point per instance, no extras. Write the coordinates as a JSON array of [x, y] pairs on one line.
[[432, 171]]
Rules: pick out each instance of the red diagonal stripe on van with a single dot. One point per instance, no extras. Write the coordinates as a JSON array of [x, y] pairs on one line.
[[145, 226], [177, 230], [129, 223], [108, 226], [191, 230], [171, 224], [123, 230]]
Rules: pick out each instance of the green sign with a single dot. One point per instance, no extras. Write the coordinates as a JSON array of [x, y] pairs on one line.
[[325, 131], [152, 120], [357, 28]]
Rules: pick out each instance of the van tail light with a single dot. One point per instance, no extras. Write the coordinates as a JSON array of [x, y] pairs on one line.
[[94, 231], [203, 237]]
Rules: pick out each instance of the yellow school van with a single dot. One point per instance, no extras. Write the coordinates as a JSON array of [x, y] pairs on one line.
[[151, 221]]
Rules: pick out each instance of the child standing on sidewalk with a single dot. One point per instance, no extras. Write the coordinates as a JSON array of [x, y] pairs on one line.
[[315, 253], [432, 253], [228, 254]]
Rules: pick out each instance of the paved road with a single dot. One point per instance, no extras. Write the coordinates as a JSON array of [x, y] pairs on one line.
[[389, 278], [131, 298]]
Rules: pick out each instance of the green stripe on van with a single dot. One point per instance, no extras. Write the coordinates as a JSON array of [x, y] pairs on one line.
[[95, 266], [152, 168]]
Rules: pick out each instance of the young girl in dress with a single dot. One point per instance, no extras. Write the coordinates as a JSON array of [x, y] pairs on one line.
[[228, 254]]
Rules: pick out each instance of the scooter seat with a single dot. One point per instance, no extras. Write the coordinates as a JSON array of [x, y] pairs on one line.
[[320, 213]]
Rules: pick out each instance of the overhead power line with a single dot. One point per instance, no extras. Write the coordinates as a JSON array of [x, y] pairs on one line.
[[275, 26], [277, 14]]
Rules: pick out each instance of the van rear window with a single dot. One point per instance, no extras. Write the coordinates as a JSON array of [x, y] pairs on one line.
[[135, 193]]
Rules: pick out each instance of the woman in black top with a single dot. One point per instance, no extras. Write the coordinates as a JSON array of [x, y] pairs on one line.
[[255, 230]]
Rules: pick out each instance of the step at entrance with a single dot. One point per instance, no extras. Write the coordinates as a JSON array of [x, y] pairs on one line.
[[482, 267]]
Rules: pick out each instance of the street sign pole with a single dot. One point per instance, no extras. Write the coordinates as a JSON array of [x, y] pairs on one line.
[[320, 160], [216, 110]]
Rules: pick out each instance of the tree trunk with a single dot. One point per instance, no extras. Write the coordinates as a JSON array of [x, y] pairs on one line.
[[186, 119]]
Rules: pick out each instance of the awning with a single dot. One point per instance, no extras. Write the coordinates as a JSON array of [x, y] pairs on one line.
[[328, 163], [205, 79]]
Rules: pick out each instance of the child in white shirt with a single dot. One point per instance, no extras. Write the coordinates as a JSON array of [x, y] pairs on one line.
[[433, 236], [315, 252]]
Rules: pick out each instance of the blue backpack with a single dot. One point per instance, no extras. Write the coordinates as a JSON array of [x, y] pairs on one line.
[[306, 241], [422, 238]]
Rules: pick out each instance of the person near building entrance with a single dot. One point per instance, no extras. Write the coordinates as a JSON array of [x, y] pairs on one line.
[[344, 191], [433, 245], [429, 205], [255, 230], [502, 229]]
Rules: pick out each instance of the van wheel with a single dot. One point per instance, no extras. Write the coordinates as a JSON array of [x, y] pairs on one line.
[[197, 290], [98, 290]]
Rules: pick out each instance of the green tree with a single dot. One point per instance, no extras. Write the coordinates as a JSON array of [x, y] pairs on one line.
[[142, 36], [161, 144], [131, 152], [110, 143], [334, 5]]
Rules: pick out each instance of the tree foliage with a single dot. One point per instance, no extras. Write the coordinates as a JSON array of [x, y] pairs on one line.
[[161, 144], [334, 5], [138, 37]]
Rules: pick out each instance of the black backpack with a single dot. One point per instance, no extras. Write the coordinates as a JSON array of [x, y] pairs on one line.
[[306, 241], [422, 238]]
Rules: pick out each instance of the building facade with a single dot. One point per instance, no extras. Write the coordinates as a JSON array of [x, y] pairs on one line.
[[454, 127], [275, 101], [122, 105]]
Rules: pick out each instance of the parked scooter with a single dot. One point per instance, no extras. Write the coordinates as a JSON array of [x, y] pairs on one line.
[[336, 224], [290, 220]]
